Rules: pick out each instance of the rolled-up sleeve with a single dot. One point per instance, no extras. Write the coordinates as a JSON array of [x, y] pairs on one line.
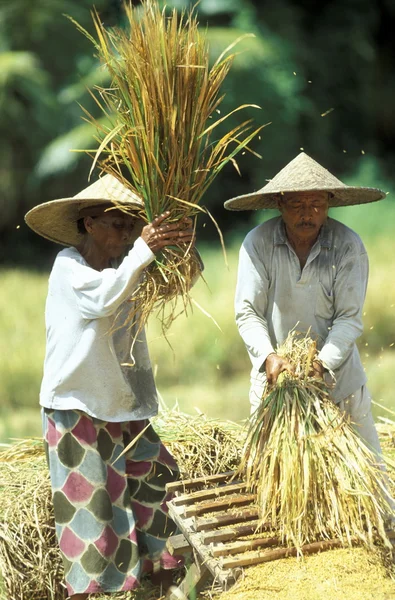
[[349, 295], [251, 304], [100, 293]]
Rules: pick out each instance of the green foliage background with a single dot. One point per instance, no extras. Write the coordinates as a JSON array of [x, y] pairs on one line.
[[323, 76], [305, 60]]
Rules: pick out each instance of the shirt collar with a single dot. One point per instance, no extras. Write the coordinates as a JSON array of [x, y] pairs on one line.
[[325, 236]]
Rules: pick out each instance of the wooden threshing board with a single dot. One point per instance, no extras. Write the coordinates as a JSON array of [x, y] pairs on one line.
[[218, 521]]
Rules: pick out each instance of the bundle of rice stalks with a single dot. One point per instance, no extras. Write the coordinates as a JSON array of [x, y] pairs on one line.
[[200, 446], [159, 141], [313, 476]]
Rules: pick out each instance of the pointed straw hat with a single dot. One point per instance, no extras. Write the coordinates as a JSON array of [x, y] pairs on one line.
[[303, 174], [57, 220]]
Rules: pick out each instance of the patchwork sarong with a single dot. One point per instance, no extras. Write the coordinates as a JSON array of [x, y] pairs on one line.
[[110, 511]]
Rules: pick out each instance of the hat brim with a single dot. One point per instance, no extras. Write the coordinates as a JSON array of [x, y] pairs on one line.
[[341, 196], [57, 220]]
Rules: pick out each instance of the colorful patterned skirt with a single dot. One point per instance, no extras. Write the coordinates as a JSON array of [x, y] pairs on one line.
[[110, 511]]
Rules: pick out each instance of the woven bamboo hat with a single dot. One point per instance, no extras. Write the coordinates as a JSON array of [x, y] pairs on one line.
[[303, 174], [57, 220]]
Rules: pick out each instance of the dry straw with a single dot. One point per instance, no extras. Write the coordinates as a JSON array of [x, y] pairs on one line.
[[201, 446], [162, 106], [313, 476], [30, 562]]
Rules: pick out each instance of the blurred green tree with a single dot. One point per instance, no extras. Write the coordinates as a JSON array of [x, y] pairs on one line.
[[45, 66]]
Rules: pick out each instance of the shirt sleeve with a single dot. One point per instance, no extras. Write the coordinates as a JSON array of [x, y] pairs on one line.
[[100, 293], [349, 296], [200, 267], [251, 304]]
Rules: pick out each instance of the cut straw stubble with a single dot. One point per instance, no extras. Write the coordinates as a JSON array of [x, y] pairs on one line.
[[314, 477]]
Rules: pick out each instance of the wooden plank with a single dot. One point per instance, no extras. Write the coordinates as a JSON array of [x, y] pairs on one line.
[[260, 557], [246, 546], [178, 544], [225, 535], [186, 484], [215, 492], [224, 577], [230, 518], [205, 507]]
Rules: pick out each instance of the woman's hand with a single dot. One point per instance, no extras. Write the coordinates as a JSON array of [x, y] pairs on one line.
[[274, 365], [157, 235]]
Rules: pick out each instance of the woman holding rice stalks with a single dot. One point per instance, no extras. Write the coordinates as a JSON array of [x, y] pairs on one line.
[[307, 271], [108, 467]]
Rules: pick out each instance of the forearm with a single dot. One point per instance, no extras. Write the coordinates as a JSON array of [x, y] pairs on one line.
[[255, 335], [251, 300], [349, 293], [340, 342], [99, 294]]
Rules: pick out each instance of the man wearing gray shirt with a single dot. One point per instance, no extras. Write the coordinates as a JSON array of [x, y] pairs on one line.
[[306, 271]]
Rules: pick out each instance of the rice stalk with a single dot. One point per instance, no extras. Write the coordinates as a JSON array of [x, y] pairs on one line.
[[21, 449], [200, 446], [30, 561], [313, 476], [163, 112]]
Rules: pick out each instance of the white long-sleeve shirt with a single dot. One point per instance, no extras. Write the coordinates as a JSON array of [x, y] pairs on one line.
[[274, 295], [85, 352]]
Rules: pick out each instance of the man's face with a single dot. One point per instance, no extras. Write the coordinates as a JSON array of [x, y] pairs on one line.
[[304, 213]]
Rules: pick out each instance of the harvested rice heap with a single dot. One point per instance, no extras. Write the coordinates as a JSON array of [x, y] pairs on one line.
[[313, 476], [201, 446], [160, 113], [30, 561]]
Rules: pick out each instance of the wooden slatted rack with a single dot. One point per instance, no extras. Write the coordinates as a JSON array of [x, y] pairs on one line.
[[219, 523]]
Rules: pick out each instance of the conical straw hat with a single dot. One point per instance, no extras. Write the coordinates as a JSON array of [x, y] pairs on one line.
[[57, 220], [303, 174]]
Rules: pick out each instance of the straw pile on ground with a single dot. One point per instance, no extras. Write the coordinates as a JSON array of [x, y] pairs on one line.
[[313, 476], [201, 446], [160, 111], [30, 562]]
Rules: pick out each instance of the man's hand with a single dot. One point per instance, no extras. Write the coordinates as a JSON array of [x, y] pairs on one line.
[[274, 365], [157, 236], [317, 370]]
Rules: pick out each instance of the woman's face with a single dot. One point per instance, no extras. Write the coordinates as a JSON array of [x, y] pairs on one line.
[[111, 232]]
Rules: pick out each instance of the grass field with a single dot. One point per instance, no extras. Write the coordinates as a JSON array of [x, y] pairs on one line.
[[202, 365]]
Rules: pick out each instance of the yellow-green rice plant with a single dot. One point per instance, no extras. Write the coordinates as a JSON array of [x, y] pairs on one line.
[[163, 110], [314, 477]]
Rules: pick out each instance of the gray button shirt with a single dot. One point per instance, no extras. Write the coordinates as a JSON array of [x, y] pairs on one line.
[[274, 295]]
